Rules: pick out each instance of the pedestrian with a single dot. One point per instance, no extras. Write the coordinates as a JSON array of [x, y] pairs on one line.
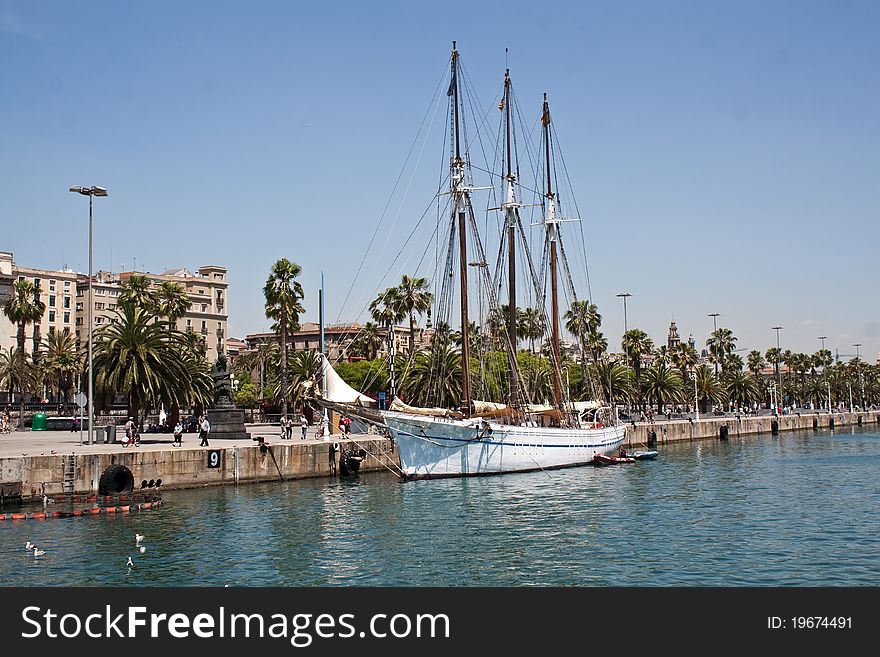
[[129, 433], [290, 428], [347, 423], [178, 434], [283, 423], [204, 429], [304, 423]]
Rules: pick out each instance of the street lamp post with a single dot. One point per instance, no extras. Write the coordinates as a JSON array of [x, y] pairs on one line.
[[714, 332], [90, 192], [778, 369], [624, 296], [822, 338], [696, 397]]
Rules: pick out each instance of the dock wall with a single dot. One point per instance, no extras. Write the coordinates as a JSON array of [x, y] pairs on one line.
[[186, 468]]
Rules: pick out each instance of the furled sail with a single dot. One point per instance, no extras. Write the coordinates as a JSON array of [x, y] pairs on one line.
[[400, 407], [337, 390]]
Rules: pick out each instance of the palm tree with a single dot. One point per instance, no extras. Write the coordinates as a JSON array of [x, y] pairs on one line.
[[662, 356], [533, 326], [60, 360], [708, 386], [756, 362], [617, 385], [721, 345], [582, 320], [172, 302], [597, 345], [17, 373], [740, 387], [140, 357], [138, 291], [434, 378], [369, 339], [661, 383], [732, 363], [636, 343], [283, 294], [22, 308], [413, 298], [684, 357], [259, 358]]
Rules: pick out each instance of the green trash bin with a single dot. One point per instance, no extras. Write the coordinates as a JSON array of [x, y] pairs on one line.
[[39, 422]]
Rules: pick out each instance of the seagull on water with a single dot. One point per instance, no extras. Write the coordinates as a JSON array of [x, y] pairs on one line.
[[138, 538], [38, 552], [29, 546], [142, 549], [130, 563]]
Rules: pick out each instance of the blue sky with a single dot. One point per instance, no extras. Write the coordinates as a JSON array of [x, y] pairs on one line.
[[724, 156]]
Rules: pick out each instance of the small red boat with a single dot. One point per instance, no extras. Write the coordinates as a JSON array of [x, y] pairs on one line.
[[602, 459]]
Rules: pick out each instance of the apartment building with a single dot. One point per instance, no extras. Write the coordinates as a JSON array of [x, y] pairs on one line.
[[206, 287]]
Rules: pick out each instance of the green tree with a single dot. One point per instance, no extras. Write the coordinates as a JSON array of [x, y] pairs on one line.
[[172, 302], [413, 298], [684, 357], [143, 359], [284, 295], [138, 291], [60, 361], [368, 340], [709, 388], [740, 387], [22, 308], [533, 326], [661, 384], [636, 344], [756, 363], [17, 373], [246, 396], [721, 344]]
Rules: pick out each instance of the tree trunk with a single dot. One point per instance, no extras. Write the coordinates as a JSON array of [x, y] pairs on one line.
[[412, 335], [21, 341], [284, 365]]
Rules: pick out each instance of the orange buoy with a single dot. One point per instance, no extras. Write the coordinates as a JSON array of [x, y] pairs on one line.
[[39, 516], [125, 509], [95, 512]]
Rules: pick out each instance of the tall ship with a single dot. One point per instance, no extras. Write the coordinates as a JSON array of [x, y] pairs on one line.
[[497, 419]]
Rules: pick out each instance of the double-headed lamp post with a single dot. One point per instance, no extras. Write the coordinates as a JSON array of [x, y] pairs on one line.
[[90, 192]]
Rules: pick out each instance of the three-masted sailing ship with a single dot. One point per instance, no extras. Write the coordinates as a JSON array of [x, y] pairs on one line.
[[481, 437]]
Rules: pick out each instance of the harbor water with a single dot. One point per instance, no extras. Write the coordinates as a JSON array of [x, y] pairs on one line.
[[798, 509]]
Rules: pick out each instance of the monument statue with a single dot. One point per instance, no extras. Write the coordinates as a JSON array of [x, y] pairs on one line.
[[222, 383]]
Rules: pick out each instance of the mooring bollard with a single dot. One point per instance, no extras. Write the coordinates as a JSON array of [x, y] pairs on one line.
[[831, 422], [815, 424], [722, 432], [652, 438], [774, 427], [859, 420]]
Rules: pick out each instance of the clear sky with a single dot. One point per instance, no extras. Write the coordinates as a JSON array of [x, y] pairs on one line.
[[725, 155]]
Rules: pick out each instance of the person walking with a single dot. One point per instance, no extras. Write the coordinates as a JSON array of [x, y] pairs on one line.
[[290, 428], [178, 435], [347, 424], [304, 423], [283, 424], [204, 429]]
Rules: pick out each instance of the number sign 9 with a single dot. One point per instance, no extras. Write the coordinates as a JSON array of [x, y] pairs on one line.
[[214, 458]]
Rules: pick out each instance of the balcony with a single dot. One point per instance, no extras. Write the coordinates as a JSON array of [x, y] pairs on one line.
[[204, 331], [220, 333]]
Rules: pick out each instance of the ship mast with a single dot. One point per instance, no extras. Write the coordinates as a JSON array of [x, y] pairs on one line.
[[510, 219], [551, 221], [460, 193]]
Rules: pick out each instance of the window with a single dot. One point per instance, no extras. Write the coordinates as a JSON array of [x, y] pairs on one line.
[[51, 300], [67, 302], [51, 315], [79, 322], [51, 285], [99, 305], [79, 306], [36, 282], [219, 277], [111, 306], [204, 307], [66, 285], [99, 291], [99, 320], [67, 318]]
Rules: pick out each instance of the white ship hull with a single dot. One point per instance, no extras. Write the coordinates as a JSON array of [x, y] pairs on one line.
[[431, 447]]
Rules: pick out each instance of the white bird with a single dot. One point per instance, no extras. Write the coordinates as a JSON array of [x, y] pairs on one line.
[[29, 546], [138, 538], [142, 549], [38, 552], [130, 563]]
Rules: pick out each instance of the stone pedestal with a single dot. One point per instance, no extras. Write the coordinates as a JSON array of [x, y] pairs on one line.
[[227, 423]]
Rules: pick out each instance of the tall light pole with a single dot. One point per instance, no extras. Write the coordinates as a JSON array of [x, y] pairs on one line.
[[714, 316], [778, 369], [861, 380], [624, 296], [822, 338], [90, 192]]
